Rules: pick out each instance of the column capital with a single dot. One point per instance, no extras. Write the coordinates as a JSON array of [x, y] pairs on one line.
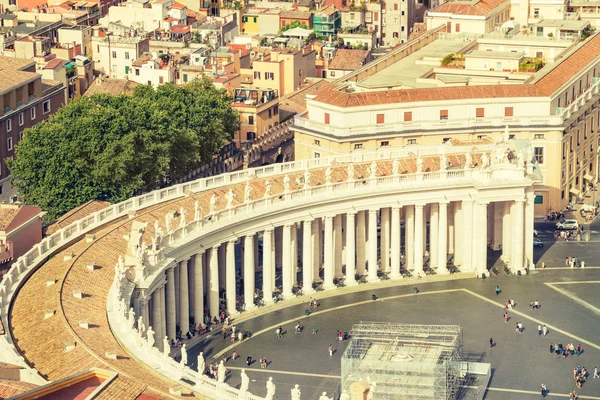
[[519, 201], [231, 242], [289, 224], [351, 212], [200, 252], [329, 217], [420, 205], [269, 229], [250, 234], [308, 220], [373, 210], [183, 259], [397, 207], [483, 202], [443, 202], [216, 247], [530, 197]]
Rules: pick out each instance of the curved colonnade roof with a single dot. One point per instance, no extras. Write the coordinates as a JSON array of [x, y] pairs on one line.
[[42, 341]]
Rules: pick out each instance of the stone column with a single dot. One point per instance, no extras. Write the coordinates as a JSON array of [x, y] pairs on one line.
[[529, 214], [278, 239], [316, 248], [249, 272], [307, 257], [268, 266], [156, 322], [385, 239], [451, 228], [230, 278], [467, 235], [433, 236], [458, 233], [163, 315], [171, 306], [294, 254], [350, 249], [372, 250], [213, 279], [517, 263], [286, 261], [409, 243], [222, 265], [418, 251], [184, 299], [507, 227], [328, 257], [497, 225], [177, 297], [395, 244], [482, 238], [146, 311], [337, 246], [361, 238], [442, 251], [199, 287]]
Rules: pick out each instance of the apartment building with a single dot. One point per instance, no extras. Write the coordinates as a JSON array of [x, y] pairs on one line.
[[79, 35], [114, 55], [150, 69], [407, 99], [326, 21], [26, 99], [397, 21], [259, 112], [289, 16], [20, 230], [478, 17]]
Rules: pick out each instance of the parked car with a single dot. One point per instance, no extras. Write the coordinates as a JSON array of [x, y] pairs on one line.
[[538, 243], [569, 224]]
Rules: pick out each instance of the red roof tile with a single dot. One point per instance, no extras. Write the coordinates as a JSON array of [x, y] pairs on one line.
[[460, 7], [349, 60]]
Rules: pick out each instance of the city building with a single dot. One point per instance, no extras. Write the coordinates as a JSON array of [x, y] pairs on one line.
[[114, 55], [397, 22], [340, 62], [326, 21], [481, 16], [259, 112], [26, 100], [153, 70], [78, 35], [439, 87], [20, 230], [289, 16]]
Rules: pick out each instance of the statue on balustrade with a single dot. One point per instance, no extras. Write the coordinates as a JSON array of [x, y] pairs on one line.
[[286, 184], [485, 161], [395, 166], [201, 363], [306, 179], [230, 198], [221, 372], [150, 337], [197, 211], [419, 164], [184, 356], [182, 221], [468, 160], [328, 173], [245, 382], [520, 160], [169, 221], [324, 397], [351, 171], [267, 188], [373, 172], [296, 392], [248, 192], [131, 318], [270, 389], [166, 346], [443, 162], [213, 204]]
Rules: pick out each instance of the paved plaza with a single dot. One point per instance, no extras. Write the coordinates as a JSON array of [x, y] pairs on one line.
[[570, 307]]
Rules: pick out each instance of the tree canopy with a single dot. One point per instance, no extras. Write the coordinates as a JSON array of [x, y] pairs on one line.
[[113, 147]]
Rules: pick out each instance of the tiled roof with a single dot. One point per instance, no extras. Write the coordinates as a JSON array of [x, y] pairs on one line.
[[348, 59], [54, 63], [111, 86], [9, 388], [295, 14], [461, 7], [338, 4], [12, 216], [177, 6], [77, 213], [328, 10], [545, 86], [11, 63], [296, 101]]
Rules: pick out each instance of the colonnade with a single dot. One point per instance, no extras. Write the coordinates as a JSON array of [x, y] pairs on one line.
[[413, 239]]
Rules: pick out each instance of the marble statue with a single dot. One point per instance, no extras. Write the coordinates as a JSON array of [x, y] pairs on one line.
[[328, 173], [485, 161], [182, 221], [121, 264], [324, 397], [117, 279], [197, 211], [270, 389], [506, 136], [131, 318], [140, 338], [166, 346], [201, 363], [156, 225], [306, 179], [468, 160], [141, 256], [443, 162], [286, 183], [141, 326], [520, 160], [395, 166], [248, 192], [169, 221], [245, 382], [501, 153], [373, 173], [351, 171], [123, 307], [154, 244], [213, 204], [184, 357], [419, 164], [150, 337], [296, 392], [221, 372], [267, 188], [230, 198]]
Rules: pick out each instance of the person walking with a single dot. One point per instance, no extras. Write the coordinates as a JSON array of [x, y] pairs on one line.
[[314, 330], [492, 344], [330, 350], [248, 360], [505, 317], [234, 355], [545, 330], [497, 290], [539, 330], [596, 373], [544, 389]]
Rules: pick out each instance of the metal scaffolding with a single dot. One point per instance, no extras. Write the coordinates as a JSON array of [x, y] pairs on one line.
[[406, 361]]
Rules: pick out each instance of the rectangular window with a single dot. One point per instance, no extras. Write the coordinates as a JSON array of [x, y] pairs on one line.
[[256, 74], [46, 107], [380, 118], [251, 120], [443, 114], [269, 76], [538, 200], [317, 142], [376, 16], [21, 134], [408, 116], [269, 112], [21, 119], [395, 6], [33, 113], [161, 80], [114, 54], [137, 72], [562, 194], [358, 146], [508, 111], [539, 154], [185, 78], [538, 136], [412, 141], [457, 28], [317, 155], [8, 125], [395, 35], [479, 112], [276, 110], [385, 143], [326, 118], [127, 55], [9, 144]]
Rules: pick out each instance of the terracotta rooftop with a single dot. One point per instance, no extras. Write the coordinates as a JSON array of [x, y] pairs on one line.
[[338, 4], [295, 14], [545, 86], [461, 7], [75, 214], [329, 10], [240, 47], [13, 215], [54, 63], [176, 6], [296, 101], [348, 59], [10, 388], [111, 86]]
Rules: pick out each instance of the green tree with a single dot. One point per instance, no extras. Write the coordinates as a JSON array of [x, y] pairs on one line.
[[292, 25], [113, 147]]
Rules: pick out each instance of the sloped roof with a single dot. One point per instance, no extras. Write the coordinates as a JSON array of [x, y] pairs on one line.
[[12, 215], [77, 213], [348, 59], [461, 7]]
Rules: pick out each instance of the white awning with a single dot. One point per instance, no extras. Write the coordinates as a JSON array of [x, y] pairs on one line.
[[574, 191], [588, 177]]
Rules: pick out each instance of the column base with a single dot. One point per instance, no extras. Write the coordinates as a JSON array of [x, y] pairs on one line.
[[442, 271], [329, 286], [308, 291], [250, 307], [373, 279], [351, 283], [396, 276], [287, 295]]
